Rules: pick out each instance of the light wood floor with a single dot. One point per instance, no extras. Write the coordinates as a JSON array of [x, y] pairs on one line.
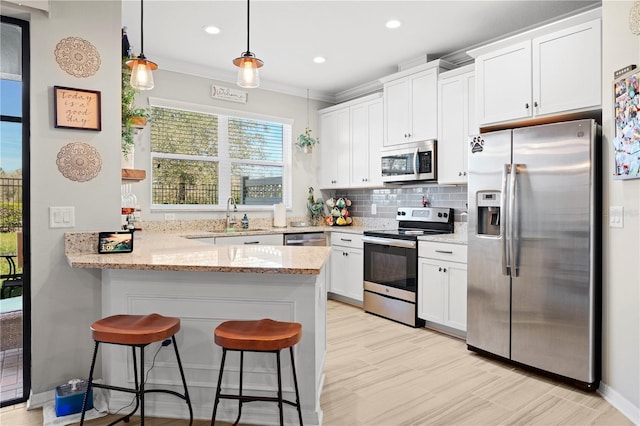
[[382, 373]]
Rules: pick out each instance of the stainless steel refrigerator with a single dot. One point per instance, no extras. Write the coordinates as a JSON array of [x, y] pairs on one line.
[[534, 248]]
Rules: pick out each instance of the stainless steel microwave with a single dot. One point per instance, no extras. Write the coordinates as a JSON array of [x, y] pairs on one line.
[[415, 162]]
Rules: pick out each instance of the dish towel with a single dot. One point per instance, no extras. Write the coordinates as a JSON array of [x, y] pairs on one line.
[[100, 409]]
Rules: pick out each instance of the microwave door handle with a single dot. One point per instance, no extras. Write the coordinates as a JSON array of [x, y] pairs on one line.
[[503, 220], [416, 168]]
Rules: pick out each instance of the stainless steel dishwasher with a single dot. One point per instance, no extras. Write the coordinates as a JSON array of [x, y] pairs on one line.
[[305, 239]]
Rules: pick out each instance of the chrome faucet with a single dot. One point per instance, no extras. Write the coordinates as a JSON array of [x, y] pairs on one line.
[[230, 221]]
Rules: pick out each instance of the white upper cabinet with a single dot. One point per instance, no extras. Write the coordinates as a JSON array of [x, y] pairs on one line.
[[504, 84], [411, 104], [351, 135], [567, 65], [456, 121], [558, 72], [366, 143], [334, 134]]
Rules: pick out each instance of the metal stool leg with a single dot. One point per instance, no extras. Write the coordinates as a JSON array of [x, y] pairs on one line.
[[280, 389], [217, 400], [141, 390], [184, 381], [295, 382], [240, 394], [89, 383]]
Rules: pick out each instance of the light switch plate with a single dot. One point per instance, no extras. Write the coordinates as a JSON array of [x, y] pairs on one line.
[[62, 217], [374, 209], [616, 217]]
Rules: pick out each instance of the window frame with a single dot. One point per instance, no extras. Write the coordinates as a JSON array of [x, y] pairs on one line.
[[224, 167]]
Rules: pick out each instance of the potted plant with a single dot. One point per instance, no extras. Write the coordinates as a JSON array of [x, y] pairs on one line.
[[306, 141], [132, 116]]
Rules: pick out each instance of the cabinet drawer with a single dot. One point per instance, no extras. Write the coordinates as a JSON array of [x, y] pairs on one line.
[[346, 239], [443, 251]]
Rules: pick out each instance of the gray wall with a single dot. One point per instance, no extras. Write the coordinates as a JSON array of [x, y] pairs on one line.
[[65, 301]]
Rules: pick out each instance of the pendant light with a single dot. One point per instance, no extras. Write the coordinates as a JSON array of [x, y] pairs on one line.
[[248, 64], [141, 76]]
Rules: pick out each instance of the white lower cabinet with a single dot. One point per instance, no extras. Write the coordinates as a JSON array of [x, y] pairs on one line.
[[347, 265], [442, 284]]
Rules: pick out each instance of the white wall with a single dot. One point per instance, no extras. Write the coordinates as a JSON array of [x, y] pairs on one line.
[[197, 90], [621, 305], [66, 301]]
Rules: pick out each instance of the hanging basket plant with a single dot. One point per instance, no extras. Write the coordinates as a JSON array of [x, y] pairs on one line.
[[305, 141]]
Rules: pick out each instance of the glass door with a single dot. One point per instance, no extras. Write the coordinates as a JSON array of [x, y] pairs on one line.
[[14, 139]]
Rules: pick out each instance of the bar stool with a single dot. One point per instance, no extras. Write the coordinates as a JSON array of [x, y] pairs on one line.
[[265, 335], [136, 331]]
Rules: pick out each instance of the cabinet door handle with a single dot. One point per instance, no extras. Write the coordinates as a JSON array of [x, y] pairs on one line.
[[459, 173], [535, 104], [464, 173], [444, 269], [440, 269], [251, 242], [526, 105], [345, 239], [444, 251]]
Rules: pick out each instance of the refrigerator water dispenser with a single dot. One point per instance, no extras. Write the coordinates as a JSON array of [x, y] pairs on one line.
[[488, 203]]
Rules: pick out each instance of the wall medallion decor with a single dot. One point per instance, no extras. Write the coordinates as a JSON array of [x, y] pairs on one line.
[[77, 57], [79, 161]]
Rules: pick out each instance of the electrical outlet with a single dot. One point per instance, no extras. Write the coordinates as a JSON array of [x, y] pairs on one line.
[[616, 217], [374, 209], [169, 216], [62, 217]]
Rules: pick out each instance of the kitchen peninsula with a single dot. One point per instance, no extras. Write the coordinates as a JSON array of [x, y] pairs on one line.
[[204, 285]]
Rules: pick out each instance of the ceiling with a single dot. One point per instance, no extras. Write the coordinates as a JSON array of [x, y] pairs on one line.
[[351, 35]]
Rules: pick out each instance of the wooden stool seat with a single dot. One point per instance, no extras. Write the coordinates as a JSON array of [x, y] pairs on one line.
[[262, 335], [134, 329], [266, 336]]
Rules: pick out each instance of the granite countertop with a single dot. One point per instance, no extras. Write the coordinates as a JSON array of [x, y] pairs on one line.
[[175, 252], [459, 235]]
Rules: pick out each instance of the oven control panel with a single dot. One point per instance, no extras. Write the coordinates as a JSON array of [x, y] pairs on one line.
[[424, 214]]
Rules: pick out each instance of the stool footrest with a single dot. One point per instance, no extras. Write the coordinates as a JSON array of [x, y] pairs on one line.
[[250, 398]]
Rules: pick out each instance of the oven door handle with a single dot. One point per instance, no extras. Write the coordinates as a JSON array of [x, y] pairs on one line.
[[389, 242]]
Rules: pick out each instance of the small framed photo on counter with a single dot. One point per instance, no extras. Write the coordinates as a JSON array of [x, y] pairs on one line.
[[115, 242]]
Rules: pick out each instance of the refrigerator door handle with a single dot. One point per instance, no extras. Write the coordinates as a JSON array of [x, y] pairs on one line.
[[506, 270], [513, 220]]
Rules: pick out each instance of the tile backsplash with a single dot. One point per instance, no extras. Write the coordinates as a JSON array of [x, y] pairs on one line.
[[387, 200]]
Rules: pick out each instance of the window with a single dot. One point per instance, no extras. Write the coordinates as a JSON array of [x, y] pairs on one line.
[[202, 155]]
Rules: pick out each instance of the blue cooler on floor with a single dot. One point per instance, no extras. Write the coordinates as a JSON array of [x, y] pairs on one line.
[[69, 397]]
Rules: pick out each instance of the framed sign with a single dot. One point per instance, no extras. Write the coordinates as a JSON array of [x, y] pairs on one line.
[[76, 108], [626, 126]]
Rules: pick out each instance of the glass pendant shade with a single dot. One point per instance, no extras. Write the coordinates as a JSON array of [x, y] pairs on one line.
[[248, 75], [141, 75]]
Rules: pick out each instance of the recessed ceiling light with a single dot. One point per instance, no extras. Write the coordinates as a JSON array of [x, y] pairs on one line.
[[210, 29], [393, 24], [319, 60]]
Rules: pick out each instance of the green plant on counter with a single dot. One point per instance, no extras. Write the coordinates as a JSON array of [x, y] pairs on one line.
[[130, 112], [315, 207]]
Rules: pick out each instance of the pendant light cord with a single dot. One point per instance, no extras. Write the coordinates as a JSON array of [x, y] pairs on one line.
[[307, 108], [142, 28], [248, 26]]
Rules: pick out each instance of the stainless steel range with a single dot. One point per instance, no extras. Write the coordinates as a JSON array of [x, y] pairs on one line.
[[391, 262]]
